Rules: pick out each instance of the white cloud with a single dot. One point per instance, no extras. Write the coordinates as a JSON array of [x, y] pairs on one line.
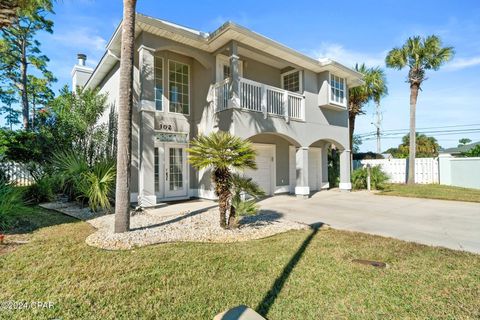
[[462, 63], [81, 38], [348, 57]]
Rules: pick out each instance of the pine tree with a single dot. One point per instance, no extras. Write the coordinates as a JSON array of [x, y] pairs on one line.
[[20, 55]]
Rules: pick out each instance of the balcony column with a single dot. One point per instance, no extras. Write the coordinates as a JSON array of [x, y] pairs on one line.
[[325, 183], [345, 167], [235, 76], [146, 187], [302, 189]]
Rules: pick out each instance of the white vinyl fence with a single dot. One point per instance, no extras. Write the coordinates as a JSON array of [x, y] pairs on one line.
[[16, 173], [426, 169]]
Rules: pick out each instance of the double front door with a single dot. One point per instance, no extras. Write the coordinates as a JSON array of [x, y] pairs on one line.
[[170, 171]]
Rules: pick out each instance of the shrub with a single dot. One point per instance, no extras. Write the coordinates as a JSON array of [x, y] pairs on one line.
[[97, 185], [378, 178], [71, 168], [43, 190], [11, 201], [243, 186]]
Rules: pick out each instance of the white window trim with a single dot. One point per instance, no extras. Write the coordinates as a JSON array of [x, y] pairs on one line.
[[224, 60], [164, 100], [300, 79], [168, 88], [330, 98]]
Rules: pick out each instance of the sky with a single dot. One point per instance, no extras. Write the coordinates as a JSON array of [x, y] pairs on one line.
[[347, 31]]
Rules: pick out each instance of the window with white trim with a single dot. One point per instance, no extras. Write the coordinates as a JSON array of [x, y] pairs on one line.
[[158, 84], [292, 81], [337, 90], [179, 87]]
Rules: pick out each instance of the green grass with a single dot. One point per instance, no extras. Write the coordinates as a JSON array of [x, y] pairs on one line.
[[295, 275], [432, 191]]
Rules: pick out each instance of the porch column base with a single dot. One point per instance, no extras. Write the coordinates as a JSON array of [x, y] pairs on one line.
[[325, 185], [147, 201], [345, 186], [302, 192]]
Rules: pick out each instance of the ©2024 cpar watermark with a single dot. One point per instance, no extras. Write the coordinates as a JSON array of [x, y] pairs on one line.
[[25, 305]]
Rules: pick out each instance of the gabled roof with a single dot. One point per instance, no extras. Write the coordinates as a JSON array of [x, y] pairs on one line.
[[460, 149], [211, 42]]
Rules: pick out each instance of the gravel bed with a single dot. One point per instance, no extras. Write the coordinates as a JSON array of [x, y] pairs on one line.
[[197, 226]]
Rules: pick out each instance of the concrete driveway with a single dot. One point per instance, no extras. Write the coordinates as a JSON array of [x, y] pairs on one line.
[[450, 224]]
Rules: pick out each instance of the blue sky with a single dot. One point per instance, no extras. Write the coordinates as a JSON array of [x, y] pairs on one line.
[[347, 31]]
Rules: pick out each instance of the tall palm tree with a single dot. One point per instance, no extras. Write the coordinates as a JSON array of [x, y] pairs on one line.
[[223, 153], [374, 88], [418, 54], [124, 133]]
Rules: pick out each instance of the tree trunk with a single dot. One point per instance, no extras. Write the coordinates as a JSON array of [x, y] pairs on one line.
[[351, 127], [221, 179], [124, 134], [232, 218], [412, 152], [23, 87]]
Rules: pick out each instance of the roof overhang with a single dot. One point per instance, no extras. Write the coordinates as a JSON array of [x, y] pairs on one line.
[[214, 41]]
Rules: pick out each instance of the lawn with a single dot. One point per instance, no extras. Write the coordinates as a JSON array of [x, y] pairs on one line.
[[295, 275], [432, 191]]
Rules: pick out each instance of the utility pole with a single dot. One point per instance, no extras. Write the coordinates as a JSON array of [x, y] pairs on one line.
[[378, 125]]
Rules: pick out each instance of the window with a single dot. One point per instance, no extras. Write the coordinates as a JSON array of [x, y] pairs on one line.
[[178, 87], [337, 90], [226, 71], [176, 168], [158, 84], [291, 81]]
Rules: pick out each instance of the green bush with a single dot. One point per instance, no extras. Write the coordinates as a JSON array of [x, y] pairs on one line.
[[93, 184], [70, 167], [97, 185], [11, 201], [245, 186], [43, 190], [378, 178]]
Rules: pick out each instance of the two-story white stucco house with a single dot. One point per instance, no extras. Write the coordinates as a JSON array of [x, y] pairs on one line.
[[187, 82]]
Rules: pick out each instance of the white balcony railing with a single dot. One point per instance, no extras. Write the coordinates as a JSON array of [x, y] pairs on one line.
[[259, 97]]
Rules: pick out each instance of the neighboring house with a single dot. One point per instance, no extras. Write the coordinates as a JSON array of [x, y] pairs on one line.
[[457, 151], [186, 83]]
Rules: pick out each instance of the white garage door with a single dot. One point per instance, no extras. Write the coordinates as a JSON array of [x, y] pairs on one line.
[[314, 168], [264, 174]]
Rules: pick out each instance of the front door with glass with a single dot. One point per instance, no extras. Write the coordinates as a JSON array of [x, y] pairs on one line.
[[171, 171]]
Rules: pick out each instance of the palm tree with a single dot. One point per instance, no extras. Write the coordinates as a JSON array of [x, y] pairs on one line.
[[242, 185], [124, 133], [374, 88], [223, 153], [418, 54]]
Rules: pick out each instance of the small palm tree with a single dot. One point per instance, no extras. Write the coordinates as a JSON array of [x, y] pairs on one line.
[[242, 185], [223, 153], [418, 54], [375, 88]]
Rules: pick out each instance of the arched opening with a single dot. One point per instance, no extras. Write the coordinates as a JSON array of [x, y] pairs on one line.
[[276, 170], [328, 165]]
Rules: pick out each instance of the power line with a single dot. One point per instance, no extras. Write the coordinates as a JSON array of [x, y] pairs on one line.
[[418, 129]]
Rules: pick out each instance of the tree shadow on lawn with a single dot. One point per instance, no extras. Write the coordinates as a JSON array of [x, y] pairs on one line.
[[32, 218], [268, 300]]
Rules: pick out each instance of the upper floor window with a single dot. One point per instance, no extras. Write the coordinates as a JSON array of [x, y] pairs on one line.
[[337, 90], [292, 81], [179, 87], [158, 84]]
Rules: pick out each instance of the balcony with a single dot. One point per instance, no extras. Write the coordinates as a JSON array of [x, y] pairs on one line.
[[258, 97]]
